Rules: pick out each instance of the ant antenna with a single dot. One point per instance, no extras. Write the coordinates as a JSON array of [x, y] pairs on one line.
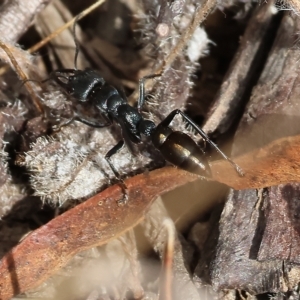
[[76, 41]]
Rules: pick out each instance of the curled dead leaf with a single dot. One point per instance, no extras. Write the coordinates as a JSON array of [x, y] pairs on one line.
[[275, 163], [90, 224]]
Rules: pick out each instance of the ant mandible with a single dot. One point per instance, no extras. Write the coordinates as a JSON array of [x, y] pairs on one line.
[[176, 147]]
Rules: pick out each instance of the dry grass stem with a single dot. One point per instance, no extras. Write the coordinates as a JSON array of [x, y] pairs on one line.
[[38, 107], [201, 13], [67, 25]]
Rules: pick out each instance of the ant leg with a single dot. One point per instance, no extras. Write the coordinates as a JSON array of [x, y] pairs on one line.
[[141, 99], [95, 124], [57, 128], [166, 122], [108, 156], [90, 123], [112, 152]]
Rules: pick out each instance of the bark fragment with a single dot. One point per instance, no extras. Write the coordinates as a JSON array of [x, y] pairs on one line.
[[258, 234]]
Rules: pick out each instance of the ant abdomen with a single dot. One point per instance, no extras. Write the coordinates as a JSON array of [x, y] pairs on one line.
[[181, 150]]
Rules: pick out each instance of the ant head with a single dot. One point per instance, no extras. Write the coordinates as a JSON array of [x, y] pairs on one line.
[[78, 83]]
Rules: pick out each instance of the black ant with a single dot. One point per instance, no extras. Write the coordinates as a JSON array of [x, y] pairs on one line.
[[87, 87]]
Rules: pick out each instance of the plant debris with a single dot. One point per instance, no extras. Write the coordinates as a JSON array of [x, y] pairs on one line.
[[57, 188]]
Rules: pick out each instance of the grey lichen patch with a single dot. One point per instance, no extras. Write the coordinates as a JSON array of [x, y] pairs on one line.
[[72, 165]]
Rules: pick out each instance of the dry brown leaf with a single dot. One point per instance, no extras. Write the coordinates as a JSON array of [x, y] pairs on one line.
[[275, 163], [90, 224]]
